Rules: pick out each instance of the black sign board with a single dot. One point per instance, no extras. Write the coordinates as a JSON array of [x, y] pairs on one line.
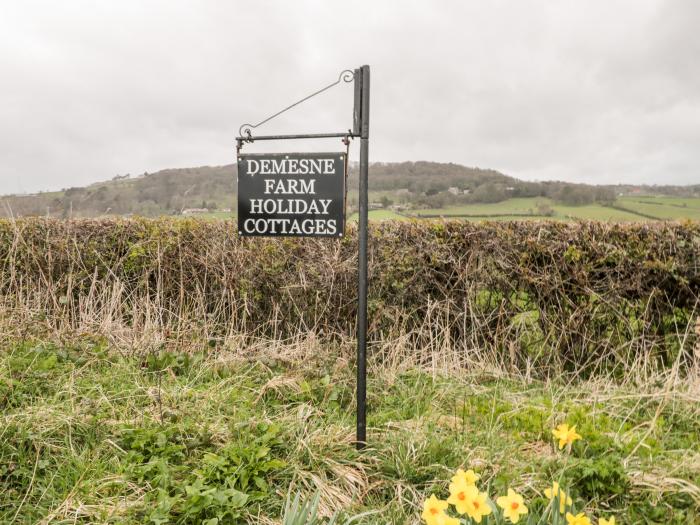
[[291, 194]]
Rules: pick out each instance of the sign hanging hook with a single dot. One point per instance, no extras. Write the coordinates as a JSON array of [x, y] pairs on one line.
[[346, 75]]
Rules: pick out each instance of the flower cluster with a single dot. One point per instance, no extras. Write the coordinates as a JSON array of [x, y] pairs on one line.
[[474, 506], [469, 501]]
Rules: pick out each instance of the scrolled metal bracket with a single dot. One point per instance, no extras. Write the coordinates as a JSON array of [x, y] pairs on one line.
[[245, 132]]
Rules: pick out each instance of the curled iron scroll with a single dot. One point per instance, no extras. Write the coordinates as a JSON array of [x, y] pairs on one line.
[[246, 129]]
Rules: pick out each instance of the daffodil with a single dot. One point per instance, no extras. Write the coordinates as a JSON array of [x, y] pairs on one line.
[[565, 434], [579, 519], [603, 521], [556, 492], [469, 477], [468, 500], [434, 512], [513, 505]]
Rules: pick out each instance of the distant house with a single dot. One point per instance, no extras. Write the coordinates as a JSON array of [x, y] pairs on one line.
[[194, 211], [510, 188], [467, 192], [376, 205], [454, 190]]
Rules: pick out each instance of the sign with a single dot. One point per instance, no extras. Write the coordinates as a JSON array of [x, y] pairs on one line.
[[291, 195], [303, 195]]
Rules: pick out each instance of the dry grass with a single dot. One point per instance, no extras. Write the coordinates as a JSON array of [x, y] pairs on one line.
[[533, 299]]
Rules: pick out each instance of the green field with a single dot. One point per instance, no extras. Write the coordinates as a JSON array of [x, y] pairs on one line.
[[594, 212], [90, 435], [683, 202], [380, 215], [527, 208], [519, 206], [662, 208], [215, 215], [636, 209]]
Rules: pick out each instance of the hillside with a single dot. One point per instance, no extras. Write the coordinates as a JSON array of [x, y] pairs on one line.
[[409, 185]]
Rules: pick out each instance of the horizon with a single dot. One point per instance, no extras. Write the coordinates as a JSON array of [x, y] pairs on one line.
[[120, 176]]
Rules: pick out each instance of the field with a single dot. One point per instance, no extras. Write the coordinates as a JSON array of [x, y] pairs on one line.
[[664, 207], [380, 215], [170, 372], [627, 209], [635, 209], [683, 202], [93, 436]]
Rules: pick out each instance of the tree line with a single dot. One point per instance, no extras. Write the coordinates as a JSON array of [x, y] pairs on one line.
[[419, 184]]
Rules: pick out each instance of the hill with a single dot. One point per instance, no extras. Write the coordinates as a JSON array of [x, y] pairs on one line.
[[409, 185]]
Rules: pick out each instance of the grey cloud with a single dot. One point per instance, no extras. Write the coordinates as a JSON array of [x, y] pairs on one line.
[[594, 91]]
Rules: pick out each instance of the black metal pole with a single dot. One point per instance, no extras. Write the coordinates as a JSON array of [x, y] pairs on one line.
[[362, 268]]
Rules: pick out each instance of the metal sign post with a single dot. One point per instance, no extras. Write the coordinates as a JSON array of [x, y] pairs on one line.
[[362, 263], [260, 214]]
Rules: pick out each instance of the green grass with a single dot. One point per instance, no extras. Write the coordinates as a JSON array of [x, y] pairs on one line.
[[664, 207], [514, 209], [595, 212], [90, 436], [689, 202], [380, 215], [526, 205], [214, 215], [669, 208]]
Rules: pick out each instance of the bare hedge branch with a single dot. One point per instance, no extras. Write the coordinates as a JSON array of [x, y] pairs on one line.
[[578, 295]]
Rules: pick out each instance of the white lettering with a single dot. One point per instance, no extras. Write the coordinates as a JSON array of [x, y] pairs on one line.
[[253, 167], [291, 166], [255, 206], [307, 186], [308, 226]]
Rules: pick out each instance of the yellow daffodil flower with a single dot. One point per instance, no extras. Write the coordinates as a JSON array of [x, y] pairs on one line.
[[513, 505], [565, 434], [603, 521], [468, 500], [556, 491], [434, 512], [469, 477], [460, 494], [579, 519]]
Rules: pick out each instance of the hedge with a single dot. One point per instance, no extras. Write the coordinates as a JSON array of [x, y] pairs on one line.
[[583, 294]]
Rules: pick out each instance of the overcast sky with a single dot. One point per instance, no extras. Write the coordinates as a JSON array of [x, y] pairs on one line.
[[597, 91]]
